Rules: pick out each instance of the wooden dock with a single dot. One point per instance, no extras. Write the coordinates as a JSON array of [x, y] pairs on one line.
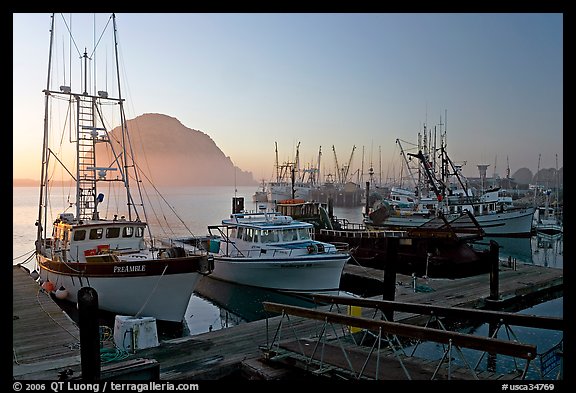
[[231, 351], [43, 336]]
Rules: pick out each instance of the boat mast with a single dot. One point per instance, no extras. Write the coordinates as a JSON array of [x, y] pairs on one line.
[[403, 153], [556, 208], [122, 124], [44, 172], [536, 181], [277, 164]]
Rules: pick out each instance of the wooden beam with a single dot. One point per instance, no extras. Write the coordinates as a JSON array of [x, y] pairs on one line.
[[492, 345], [487, 316]]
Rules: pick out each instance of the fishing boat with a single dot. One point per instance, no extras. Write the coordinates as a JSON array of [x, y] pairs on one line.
[[93, 242], [269, 250], [261, 195], [493, 209], [438, 248]]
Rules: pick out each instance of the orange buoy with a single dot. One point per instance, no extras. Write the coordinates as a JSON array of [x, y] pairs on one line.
[[48, 286]]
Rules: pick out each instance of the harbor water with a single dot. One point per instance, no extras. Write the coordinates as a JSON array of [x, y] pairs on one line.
[[218, 305]]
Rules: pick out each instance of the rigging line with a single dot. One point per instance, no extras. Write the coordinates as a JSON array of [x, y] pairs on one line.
[[27, 259], [70, 34], [151, 292], [101, 35], [50, 315]]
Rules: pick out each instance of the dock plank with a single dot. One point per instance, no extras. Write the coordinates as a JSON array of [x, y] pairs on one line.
[[44, 338]]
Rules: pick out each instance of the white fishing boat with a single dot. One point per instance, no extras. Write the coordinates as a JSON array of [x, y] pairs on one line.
[[269, 250], [493, 209], [93, 242]]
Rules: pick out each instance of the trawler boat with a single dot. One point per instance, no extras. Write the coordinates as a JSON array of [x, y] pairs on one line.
[[109, 249], [493, 210]]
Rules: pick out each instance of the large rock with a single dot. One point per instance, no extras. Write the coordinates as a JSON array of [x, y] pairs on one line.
[[171, 154]]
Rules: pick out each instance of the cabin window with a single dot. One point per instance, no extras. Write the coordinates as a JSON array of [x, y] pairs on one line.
[[127, 232], [240, 233], [269, 236], [139, 232], [248, 233], [256, 235], [79, 234], [96, 233], [289, 235], [303, 234], [112, 232]]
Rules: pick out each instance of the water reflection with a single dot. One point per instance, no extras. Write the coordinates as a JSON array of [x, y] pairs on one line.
[[548, 250], [541, 249], [544, 339], [218, 304]]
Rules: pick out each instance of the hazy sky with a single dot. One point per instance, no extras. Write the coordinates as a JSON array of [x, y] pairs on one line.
[[323, 79]]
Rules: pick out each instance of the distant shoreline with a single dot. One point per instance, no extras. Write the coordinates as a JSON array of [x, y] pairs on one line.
[[25, 183], [57, 183]]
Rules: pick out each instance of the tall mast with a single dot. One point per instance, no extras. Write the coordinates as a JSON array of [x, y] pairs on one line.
[[536, 180], [556, 210], [277, 165], [122, 123], [43, 175]]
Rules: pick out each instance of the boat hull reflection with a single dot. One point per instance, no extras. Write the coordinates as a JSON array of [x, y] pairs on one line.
[[241, 303]]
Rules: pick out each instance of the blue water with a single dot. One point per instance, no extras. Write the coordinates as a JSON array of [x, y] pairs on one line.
[[218, 305]]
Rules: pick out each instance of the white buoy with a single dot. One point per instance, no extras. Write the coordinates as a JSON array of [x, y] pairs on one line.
[[61, 293]]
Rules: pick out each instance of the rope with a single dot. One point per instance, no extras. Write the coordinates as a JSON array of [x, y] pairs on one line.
[[151, 292], [28, 258], [110, 354]]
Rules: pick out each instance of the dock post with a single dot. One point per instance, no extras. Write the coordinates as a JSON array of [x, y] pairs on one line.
[[367, 207], [89, 333], [494, 270], [389, 290]]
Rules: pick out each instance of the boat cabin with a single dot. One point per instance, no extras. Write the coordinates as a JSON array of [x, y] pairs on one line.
[[80, 242], [254, 234], [267, 228]]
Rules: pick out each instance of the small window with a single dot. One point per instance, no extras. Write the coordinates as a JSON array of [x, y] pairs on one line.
[[248, 233], [79, 234], [304, 234], [96, 233], [112, 232], [139, 232], [289, 235], [127, 232]]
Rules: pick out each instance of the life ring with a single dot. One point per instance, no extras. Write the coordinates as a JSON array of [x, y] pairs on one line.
[[312, 248]]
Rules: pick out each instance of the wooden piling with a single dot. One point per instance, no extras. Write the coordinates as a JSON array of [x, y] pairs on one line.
[[494, 271], [89, 333]]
